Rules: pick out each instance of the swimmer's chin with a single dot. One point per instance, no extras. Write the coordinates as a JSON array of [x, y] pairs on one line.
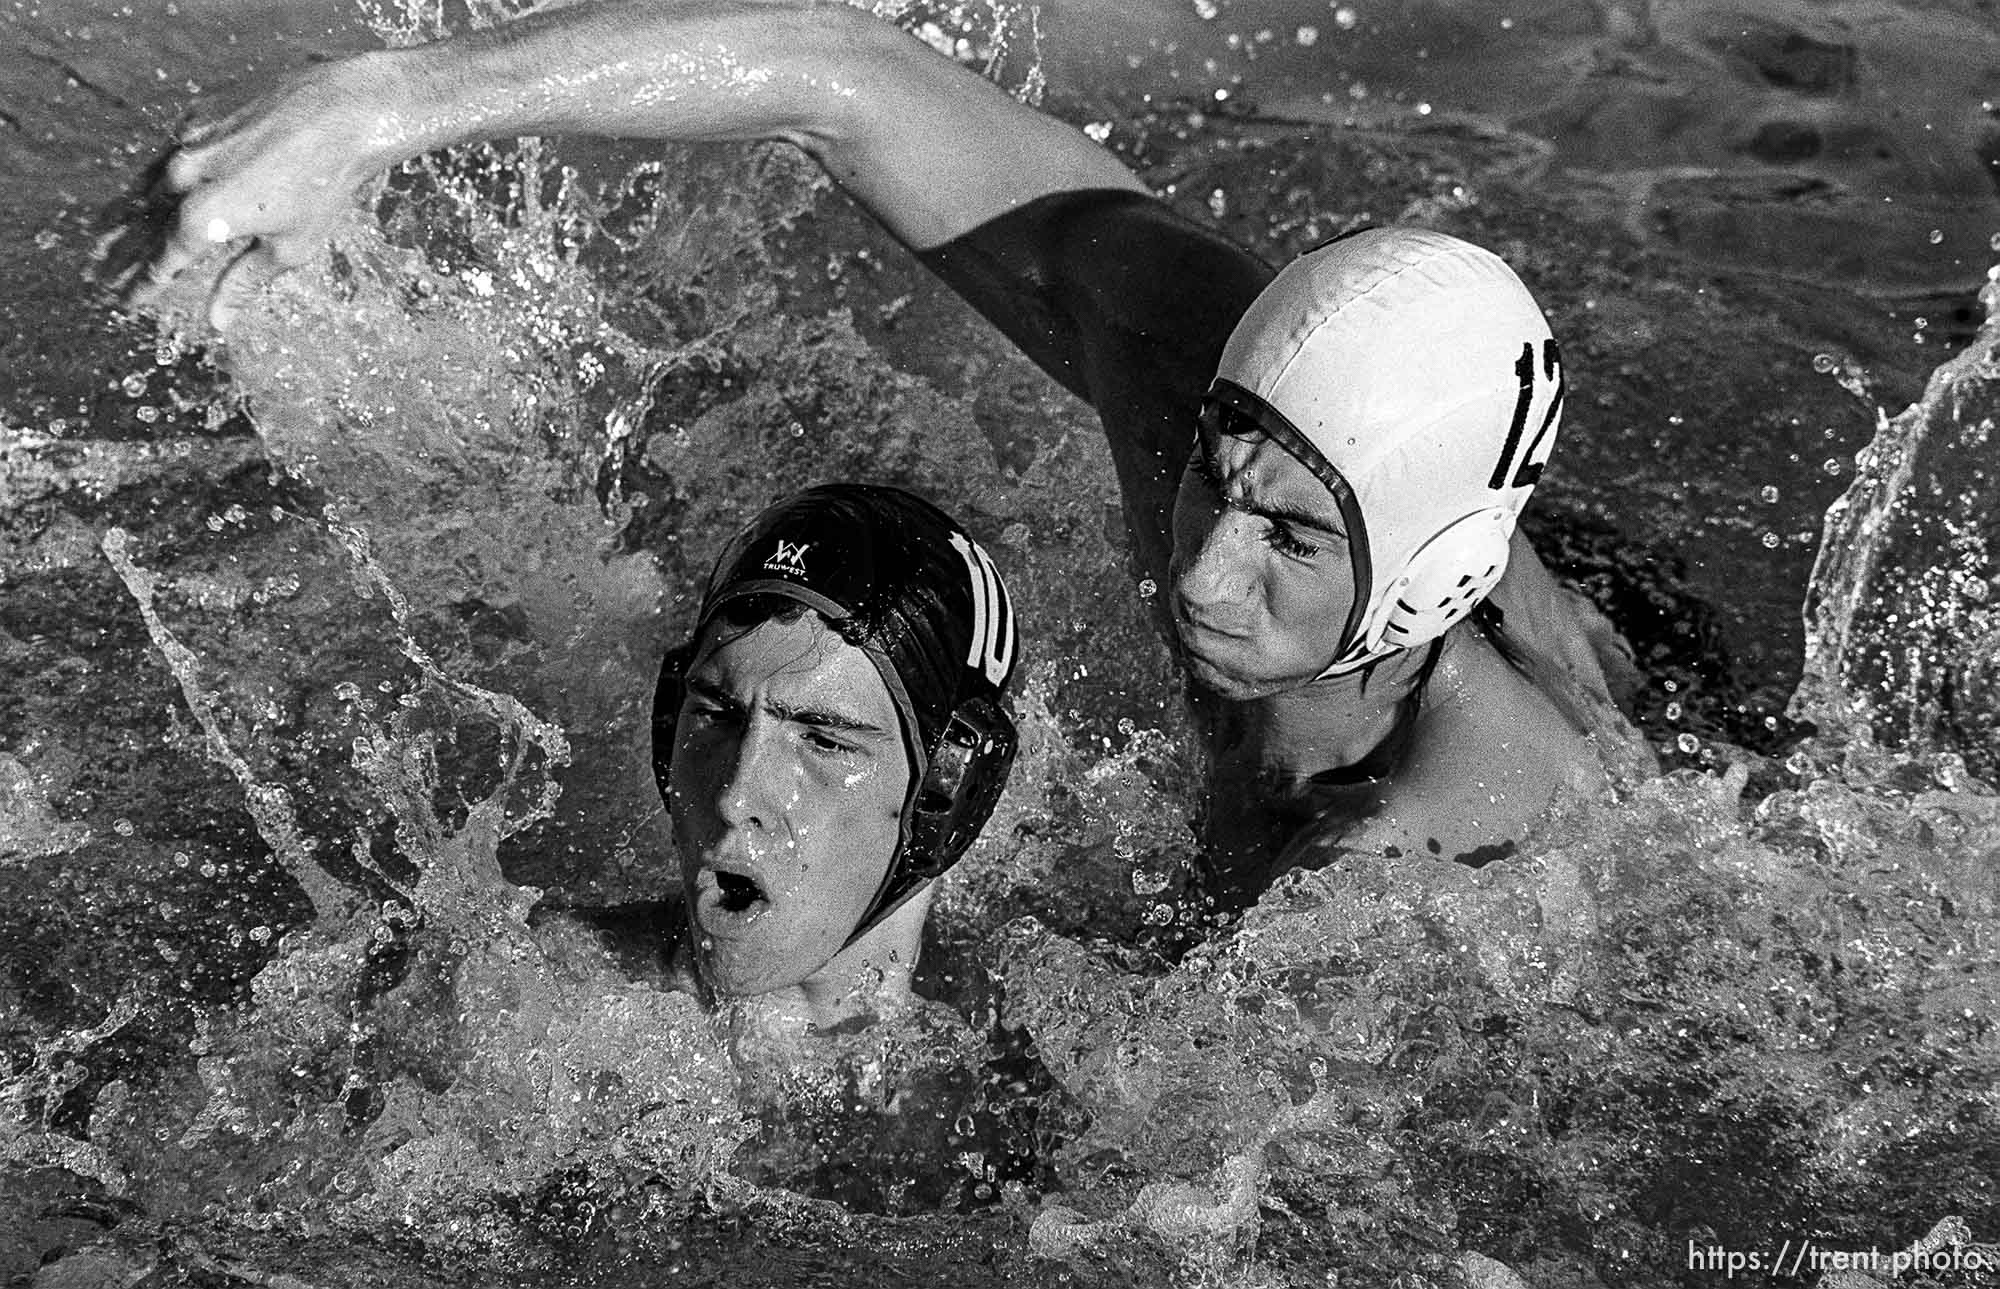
[[1226, 680]]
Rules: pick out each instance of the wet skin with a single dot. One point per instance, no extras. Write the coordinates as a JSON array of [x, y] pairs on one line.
[[789, 774]]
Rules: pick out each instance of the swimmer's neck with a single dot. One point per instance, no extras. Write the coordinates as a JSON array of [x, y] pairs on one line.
[[867, 979]]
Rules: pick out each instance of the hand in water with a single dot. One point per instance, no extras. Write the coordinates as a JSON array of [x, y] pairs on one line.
[[250, 195]]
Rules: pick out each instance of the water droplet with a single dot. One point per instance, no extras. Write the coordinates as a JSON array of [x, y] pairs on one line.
[[123, 827], [1148, 588], [1824, 363], [1307, 37], [1769, 494], [1771, 541], [133, 385], [1993, 242], [1218, 203], [1345, 18], [147, 413], [1673, 711], [1937, 236], [1830, 466], [1206, 10], [1688, 743]]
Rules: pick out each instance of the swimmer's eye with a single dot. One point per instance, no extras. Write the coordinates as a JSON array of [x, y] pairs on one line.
[[1284, 541], [821, 741]]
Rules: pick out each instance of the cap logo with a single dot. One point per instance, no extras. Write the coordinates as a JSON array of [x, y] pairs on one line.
[[789, 557], [993, 635]]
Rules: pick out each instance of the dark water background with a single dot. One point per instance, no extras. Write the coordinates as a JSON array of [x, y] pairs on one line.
[[1759, 229]]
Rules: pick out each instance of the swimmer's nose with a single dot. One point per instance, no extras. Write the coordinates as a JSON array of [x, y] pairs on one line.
[[750, 792], [1222, 570]]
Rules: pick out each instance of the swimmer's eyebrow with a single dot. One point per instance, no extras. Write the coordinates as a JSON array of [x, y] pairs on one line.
[[824, 718], [1298, 516], [815, 715]]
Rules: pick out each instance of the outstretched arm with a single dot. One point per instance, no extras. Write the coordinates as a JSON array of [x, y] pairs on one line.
[[930, 148]]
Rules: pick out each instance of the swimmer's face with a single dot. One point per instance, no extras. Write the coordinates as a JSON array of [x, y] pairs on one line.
[[787, 787], [1262, 576]]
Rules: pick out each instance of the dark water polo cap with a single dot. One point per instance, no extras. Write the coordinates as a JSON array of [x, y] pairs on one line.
[[903, 582]]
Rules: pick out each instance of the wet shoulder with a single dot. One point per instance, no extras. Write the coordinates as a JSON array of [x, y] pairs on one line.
[[1489, 754]]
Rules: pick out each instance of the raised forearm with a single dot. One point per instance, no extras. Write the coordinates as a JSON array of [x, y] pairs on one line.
[[930, 148], [710, 70], [927, 146]]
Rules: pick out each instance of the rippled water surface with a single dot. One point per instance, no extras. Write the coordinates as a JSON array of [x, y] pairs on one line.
[[326, 655]]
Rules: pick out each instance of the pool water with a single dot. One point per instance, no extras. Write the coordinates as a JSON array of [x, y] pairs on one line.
[[328, 651]]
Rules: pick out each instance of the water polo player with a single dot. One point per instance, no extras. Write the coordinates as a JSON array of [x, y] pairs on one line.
[[828, 742], [1323, 467]]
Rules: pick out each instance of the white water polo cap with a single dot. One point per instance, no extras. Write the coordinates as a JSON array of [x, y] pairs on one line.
[[1415, 376]]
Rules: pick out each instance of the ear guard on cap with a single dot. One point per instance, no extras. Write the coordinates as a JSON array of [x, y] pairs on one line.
[[961, 786], [1442, 581]]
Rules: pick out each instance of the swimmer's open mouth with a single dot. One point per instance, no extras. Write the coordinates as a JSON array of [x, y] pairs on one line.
[[739, 894]]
